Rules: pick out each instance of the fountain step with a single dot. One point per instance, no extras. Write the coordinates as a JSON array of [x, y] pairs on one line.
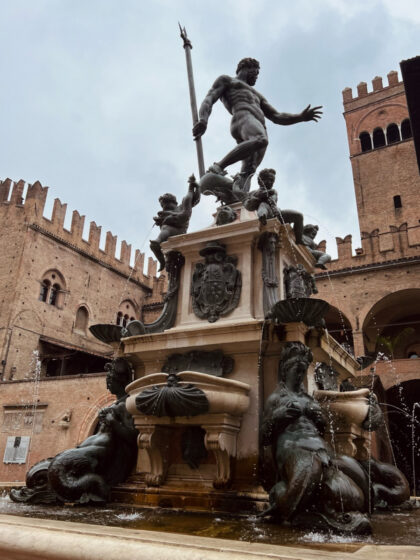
[[191, 498]]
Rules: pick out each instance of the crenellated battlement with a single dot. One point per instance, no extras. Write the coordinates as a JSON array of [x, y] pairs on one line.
[[398, 243], [377, 88], [33, 205]]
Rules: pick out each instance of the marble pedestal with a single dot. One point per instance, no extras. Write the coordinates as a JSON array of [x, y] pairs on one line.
[[231, 477]]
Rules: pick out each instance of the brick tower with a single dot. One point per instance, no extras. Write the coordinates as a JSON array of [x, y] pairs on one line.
[[385, 172]]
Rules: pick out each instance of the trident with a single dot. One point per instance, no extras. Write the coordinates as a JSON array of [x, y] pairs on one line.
[[193, 101]]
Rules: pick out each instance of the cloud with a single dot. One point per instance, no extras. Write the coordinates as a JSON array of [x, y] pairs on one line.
[[95, 97]]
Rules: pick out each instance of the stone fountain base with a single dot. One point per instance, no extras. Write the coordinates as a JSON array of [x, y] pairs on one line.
[[193, 496]]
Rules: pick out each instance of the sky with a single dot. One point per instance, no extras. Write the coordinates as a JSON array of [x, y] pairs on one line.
[[94, 100]]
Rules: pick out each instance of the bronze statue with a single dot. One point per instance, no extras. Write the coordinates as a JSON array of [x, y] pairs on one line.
[[315, 488], [264, 201], [86, 473], [307, 480], [249, 109], [309, 233], [298, 282], [173, 219], [268, 245]]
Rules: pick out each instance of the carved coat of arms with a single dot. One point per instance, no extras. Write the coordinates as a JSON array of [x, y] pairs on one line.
[[216, 283]]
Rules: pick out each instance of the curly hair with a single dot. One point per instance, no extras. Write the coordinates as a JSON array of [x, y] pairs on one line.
[[246, 63], [168, 197], [309, 227], [266, 174], [121, 369], [293, 351]]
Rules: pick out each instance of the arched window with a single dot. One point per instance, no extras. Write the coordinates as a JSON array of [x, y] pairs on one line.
[[406, 129], [52, 288], [54, 291], [365, 141], [127, 312], [82, 319], [392, 134], [378, 138], [43, 293]]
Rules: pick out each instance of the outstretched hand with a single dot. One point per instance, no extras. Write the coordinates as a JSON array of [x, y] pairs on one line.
[[311, 113], [199, 129]]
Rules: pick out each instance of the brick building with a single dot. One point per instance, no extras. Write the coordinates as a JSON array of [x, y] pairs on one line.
[[54, 284], [375, 292]]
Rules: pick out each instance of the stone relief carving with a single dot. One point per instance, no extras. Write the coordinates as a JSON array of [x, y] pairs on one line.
[[326, 378], [172, 399], [212, 363], [268, 244], [216, 283], [298, 283]]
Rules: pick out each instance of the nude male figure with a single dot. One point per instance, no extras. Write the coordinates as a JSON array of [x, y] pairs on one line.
[[249, 110]]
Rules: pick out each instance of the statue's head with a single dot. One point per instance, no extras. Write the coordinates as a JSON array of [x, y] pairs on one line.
[[266, 178], [168, 201], [294, 362], [118, 375], [248, 69], [225, 215], [310, 230]]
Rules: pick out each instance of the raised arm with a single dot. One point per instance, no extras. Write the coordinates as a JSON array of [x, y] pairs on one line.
[[308, 114], [215, 92], [192, 198]]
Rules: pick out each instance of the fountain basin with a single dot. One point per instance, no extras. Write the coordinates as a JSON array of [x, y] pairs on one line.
[[225, 396], [219, 419], [346, 412], [310, 311]]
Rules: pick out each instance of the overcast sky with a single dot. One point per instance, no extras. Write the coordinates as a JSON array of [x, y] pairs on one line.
[[94, 98]]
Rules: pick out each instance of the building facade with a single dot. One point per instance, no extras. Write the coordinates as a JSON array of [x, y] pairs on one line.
[[374, 291], [54, 285]]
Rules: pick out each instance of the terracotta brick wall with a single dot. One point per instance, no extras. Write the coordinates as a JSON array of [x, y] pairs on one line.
[[82, 396]]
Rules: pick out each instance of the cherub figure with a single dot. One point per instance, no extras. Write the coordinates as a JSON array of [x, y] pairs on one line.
[[264, 201], [173, 219], [309, 233]]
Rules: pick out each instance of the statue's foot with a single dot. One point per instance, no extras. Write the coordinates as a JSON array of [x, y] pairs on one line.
[[320, 265], [217, 169], [218, 185], [263, 220]]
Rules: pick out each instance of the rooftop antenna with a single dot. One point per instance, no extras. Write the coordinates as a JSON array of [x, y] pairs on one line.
[[193, 100]]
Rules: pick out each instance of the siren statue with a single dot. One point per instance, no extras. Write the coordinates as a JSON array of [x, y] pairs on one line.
[[87, 473], [314, 486]]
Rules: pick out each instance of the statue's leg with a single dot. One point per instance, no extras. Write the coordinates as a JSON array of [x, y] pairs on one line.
[[353, 469], [251, 136], [263, 212], [301, 475], [295, 218], [340, 493], [321, 258], [157, 251], [155, 247]]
